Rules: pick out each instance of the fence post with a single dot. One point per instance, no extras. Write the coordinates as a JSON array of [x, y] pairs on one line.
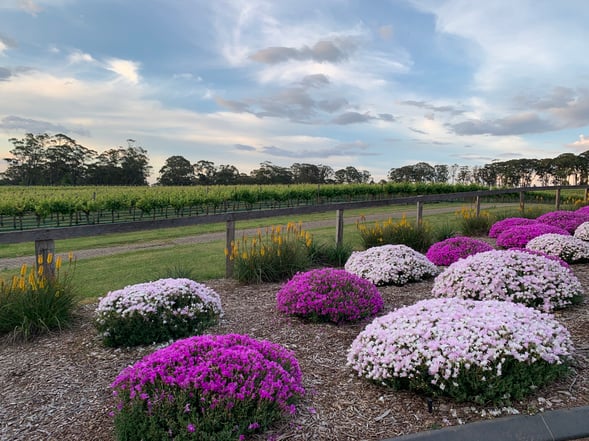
[[45, 257], [586, 198], [229, 241], [477, 202], [339, 228], [557, 204], [521, 201], [419, 212]]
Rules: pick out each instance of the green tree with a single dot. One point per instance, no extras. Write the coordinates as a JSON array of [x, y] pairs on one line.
[[27, 166], [177, 170]]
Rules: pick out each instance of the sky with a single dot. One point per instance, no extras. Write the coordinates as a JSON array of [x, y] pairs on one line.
[[374, 84]]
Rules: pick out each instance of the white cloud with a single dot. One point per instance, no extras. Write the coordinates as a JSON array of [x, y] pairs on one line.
[[125, 69], [80, 57], [581, 145]]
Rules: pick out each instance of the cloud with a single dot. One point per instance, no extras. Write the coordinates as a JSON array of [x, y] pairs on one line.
[[519, 124], [81, 57], [351, 118], [424, 105], [28, 125], [315, 80], [246, 148], [126, 69], [343, 149], [421, 132], [386, 117], [6, 43], [582, 144], [30, 6], [5, 73], [324, 51], [233, 106]]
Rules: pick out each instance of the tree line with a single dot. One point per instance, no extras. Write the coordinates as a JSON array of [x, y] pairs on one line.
[[45, 159]]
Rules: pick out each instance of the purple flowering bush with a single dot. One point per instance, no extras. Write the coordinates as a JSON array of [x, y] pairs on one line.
[[518, 236], [450, 250], [568, 248], [329, 294], [513, 276], [500, 226], [583, 210], [488, 351], [582, 231], [390, 265], [567, 220], [209, 387], [158, 311]]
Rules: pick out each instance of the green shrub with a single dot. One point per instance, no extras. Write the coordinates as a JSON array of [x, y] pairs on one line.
[[32, 304], [273, 256], [334, 255], [444, 231], [473, 225], [418, 236], [178, 271]]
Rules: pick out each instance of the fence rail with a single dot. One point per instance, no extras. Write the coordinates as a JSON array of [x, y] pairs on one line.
[[44, 237]]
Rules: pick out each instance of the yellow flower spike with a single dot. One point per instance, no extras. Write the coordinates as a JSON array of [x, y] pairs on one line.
[[70, 256], [40, 259], [23, 269], [40, 271], [58, 263], [244, 255], [226, 252], [49, 258], [262, 251], [21, 283]]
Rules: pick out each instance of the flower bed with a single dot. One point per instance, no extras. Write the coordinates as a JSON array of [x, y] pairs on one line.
[[583, 210], [210, 387], [500, 226], [568, 248], [156, 311], [450, 250], [510, 275], [582, 231], [489, 351], [520, 235], [329, 295], [567, 220], [391, 265]]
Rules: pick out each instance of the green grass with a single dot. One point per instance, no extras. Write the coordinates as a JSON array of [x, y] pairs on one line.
[[94, 277]]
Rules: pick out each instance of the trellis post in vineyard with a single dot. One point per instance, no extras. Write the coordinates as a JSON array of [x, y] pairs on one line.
[[45, 255]]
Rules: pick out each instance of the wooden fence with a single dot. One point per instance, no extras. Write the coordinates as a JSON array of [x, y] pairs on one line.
[[44, 238]]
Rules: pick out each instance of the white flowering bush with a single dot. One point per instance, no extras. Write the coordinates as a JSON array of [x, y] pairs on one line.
[[582, 231], [568, 248], [488, 351], [510, 275], [390, 265], [152, 312]]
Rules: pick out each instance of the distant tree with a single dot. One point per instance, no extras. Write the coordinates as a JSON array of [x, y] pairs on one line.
[[464, 175], [27, 166], [120, 166], [310, 173], [67, 161], [205, 172], [351, 175], [226, 175], [441, 173], [177, 170], [269, 173]]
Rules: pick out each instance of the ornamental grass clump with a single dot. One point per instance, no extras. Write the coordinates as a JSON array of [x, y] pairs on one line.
[[208, 388], [271, 256], [391, 265], [487, 352], [158, 311], [510, 275], [473, 224], [328, 294], [33, 302], [568, 248], [500, 226], [418, 236], [567, 220], [518, 236], [450, 250], [582, 231]]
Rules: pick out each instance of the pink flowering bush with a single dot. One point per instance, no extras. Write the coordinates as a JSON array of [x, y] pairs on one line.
[[329, 294], [568, 248], [583, 210], [157, 311], [488, 351], [513, 276], [567, 220], [543, 254], [390, 265], [209, 388], [450, 250], [500, 226], [582, 231], [520, 235]]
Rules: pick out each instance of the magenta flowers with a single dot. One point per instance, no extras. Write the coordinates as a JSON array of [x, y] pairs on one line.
[[519, 235], [213, 386], [450, 250], [500, 226], [567, 220], [329, 295]]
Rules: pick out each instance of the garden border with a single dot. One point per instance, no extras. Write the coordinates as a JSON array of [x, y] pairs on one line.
[[554, 425]]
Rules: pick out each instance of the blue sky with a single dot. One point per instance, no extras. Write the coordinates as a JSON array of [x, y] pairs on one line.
[[373, 84]]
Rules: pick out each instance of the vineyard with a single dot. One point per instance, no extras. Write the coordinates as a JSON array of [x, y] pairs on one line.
[[24, 208]]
